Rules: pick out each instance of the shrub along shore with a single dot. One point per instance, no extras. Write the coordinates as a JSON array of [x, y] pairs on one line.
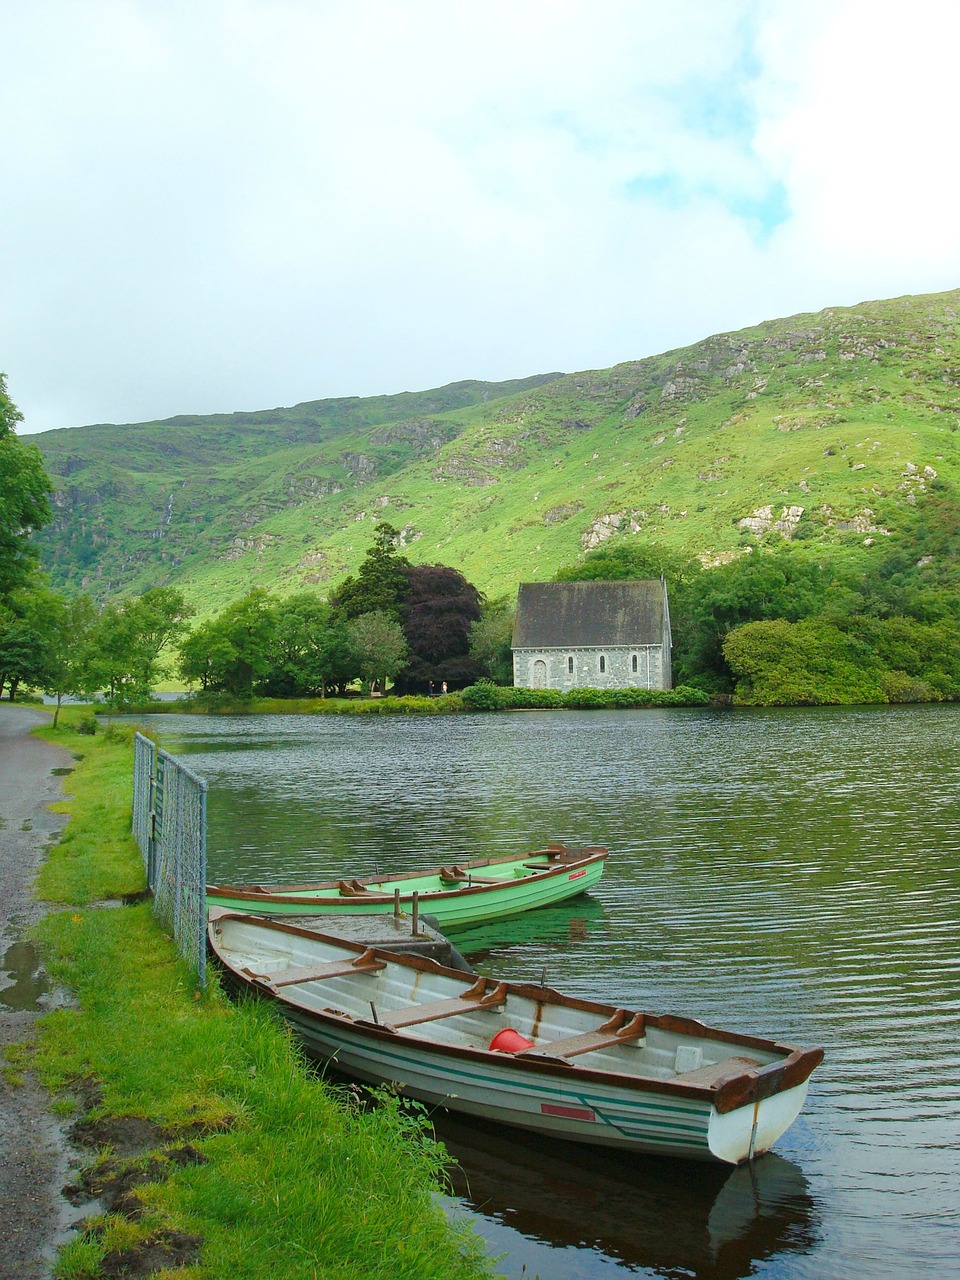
[[247, 1163], [484, 696]]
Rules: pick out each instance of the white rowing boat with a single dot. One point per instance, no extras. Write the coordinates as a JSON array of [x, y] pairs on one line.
[[517, 1053]]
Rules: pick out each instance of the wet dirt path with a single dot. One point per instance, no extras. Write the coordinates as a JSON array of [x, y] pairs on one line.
[[34, 1152]]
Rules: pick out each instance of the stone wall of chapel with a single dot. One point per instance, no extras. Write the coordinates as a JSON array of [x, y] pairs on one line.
[[586, 674]]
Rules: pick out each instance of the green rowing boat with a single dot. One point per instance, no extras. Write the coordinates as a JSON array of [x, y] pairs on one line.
[[459, 895]]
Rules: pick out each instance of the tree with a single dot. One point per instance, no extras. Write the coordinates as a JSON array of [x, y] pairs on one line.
[[24, 505], [127, 639], [490, 639], [379, 645], [67, 666], [311, 648], [619, 560], [807, 663], [161, 616], [204, 654], [380, 585], [438, 612], [789, 584], [120, 664], [21, 647], [233, 651]]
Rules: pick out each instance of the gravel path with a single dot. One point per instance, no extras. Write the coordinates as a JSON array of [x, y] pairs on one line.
[[33, 1167]]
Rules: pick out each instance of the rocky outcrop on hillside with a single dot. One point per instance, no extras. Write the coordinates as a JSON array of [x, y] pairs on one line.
[[423, 435]]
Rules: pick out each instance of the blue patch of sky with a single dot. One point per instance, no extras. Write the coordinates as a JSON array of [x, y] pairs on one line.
[[721, 110], [765, 211], [762, 211]]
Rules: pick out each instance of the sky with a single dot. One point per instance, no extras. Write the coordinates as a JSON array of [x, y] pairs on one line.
[[218, 205]]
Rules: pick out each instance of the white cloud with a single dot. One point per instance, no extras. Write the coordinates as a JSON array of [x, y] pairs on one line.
[[223, 205]]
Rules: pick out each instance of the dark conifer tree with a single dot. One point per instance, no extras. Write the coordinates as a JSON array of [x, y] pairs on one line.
[[380, 584]]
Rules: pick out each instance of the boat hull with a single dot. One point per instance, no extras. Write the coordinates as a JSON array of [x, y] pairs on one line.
[[501, 1093], [454, 906], [391, 1023]]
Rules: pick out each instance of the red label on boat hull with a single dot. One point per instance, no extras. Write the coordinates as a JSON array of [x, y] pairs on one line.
[[566, 1113], [575, 875]]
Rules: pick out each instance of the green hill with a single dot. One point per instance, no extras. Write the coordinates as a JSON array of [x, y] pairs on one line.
[[839, 426]]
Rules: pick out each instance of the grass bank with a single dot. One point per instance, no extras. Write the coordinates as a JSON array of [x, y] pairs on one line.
[[245, 1163]]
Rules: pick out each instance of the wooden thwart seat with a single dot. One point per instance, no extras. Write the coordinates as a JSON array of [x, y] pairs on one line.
[[714, 1071], [457, 875], [475, 997], [350, 888], [620, 1029], [367, 962]]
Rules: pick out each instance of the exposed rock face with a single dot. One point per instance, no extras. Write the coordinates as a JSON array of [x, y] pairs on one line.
[[466, 471], [723, 358], [714, 559], [862, 522], [241, 546], [682, 387], [498, 453], [562, 512], [425, 435], [759, 522], [313, 560], [606, 526], [408, 535], [762, 521], [300, 488], [358, 466]]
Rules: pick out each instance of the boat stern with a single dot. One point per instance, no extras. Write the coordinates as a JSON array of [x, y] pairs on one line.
[[738, 1136]]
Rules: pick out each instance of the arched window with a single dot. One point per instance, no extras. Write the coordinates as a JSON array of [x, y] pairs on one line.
[[603, 664], [570, 664], [633, 664]]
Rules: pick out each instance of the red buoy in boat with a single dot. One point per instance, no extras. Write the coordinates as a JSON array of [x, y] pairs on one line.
[[510, 1041]]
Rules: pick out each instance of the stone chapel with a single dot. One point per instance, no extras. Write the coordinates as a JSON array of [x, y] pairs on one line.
[[598, 635]]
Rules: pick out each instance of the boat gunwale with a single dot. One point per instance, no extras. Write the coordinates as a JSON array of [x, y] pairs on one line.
[[297, 894], [726, 1093]]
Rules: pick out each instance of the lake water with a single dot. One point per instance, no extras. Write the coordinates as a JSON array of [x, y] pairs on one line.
[[786, 872]]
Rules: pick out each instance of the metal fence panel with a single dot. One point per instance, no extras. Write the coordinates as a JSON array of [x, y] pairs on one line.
[[180, 832], [170, 826]]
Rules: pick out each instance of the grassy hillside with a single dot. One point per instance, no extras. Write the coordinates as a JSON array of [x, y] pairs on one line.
[[838, 427]]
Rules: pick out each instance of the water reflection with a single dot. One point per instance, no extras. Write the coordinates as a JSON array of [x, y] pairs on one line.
[[671, 1218], [25, 982], [566, 925]]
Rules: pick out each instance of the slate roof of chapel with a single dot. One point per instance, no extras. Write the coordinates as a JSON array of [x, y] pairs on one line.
[[572, 615]]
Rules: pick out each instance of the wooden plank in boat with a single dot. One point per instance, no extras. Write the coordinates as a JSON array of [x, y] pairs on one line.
[[612, 1032], [470, 1001], [714, 1072], [457, 875], [364, 963]]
